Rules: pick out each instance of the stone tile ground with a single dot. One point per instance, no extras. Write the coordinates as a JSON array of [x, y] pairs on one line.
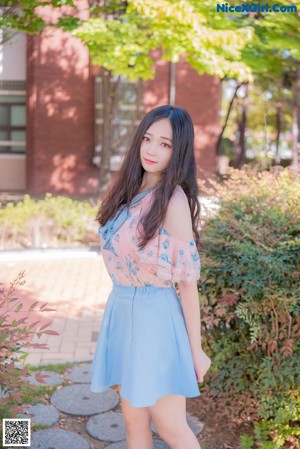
[[76, 284], [100, 416]]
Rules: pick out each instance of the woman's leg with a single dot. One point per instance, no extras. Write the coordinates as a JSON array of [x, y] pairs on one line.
[[137, 422], [169, 417]]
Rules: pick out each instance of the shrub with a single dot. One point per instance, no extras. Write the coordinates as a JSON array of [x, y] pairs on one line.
[[15, 335], [250, 299], [51, 221]]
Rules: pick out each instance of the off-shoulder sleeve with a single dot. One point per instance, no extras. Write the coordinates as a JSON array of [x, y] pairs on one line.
[[177, 260], [174, 259]]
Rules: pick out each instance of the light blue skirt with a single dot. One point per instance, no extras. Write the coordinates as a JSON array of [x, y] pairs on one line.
[[143, 346]]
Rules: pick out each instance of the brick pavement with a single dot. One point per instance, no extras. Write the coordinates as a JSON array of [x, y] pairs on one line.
[[76, 284]]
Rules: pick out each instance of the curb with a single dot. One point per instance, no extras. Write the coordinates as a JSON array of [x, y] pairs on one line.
[[48, 253]]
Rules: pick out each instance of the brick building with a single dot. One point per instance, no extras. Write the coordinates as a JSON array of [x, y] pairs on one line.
[[50, 113]]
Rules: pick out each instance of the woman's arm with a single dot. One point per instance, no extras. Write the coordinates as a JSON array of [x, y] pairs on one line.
[[178, 222], [191, 309]]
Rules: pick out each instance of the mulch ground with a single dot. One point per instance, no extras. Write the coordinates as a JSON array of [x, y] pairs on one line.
[[220, 430]]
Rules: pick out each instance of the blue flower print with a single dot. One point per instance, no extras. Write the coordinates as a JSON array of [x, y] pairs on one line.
[[181, 252], [191, 243], [196, 256], [108, 245], [165, 258], [166, 244], [163, 231], [130, 267], [113, 249]]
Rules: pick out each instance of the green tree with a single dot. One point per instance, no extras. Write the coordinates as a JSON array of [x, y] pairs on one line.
[[122, 41], [273, 55]]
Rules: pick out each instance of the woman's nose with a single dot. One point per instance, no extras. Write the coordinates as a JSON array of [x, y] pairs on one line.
[[152, 148]]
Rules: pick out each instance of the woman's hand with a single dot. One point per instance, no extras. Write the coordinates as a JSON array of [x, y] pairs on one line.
[[201, 363]]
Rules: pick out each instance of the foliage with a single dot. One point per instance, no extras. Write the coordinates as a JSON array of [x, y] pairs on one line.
[[25, 15], [45, 222], [250, 297], [275, 47], [264, 100], [122, 42], [15, 335]]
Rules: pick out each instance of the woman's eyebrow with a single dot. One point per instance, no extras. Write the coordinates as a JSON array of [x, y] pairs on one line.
[[162, 137]]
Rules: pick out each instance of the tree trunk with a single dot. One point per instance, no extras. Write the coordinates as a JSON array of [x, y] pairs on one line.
[[241, 148], [278, 130], [218, 146], [295, 126], [110, 101]]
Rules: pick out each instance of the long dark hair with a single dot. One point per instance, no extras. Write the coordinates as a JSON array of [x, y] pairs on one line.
[[180, 171]]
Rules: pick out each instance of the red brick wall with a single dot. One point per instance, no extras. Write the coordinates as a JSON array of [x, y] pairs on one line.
[[156, 91], [200, 95], [60, 113], [60, 116]]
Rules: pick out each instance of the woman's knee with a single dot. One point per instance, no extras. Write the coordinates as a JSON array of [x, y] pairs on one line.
[[136, 418], [169, 417], [175, 437]]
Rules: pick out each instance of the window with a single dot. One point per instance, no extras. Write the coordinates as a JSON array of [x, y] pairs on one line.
[[12, 117]]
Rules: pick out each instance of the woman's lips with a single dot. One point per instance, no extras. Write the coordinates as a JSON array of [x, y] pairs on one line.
[[148, 161]]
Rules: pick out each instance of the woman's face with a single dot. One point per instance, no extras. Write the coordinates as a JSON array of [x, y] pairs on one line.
[[157, 147]]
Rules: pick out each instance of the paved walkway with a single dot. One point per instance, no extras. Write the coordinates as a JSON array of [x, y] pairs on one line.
[[96, 419], [76, 284]]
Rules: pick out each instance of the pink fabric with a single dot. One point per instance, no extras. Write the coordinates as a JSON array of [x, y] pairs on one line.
[[164, 260]]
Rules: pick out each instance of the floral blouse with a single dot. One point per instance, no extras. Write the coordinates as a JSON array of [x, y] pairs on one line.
[[164, 260]]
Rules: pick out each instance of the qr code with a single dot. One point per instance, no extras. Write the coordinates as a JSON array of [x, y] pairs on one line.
[[16, 432]]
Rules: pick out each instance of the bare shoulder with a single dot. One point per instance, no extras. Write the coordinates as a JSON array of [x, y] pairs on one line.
[[178, 220], [179, 198]]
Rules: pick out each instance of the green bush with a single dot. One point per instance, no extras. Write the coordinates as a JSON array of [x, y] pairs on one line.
[[250, 300], [50, 222]]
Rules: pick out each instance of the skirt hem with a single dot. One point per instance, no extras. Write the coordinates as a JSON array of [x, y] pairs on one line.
[[149, 403]]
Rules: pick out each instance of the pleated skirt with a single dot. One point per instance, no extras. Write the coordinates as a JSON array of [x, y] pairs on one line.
[[143, 346]]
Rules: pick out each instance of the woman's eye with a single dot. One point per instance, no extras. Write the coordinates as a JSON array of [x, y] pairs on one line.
[[166, 145], [146, 138]]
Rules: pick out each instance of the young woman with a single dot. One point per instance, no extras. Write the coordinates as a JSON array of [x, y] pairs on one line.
[[149, 341]]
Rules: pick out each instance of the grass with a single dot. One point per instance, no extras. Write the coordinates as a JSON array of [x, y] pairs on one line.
[[35, 393], [59, 368]]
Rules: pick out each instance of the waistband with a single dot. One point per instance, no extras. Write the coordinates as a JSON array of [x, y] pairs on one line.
[[148, 290]]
